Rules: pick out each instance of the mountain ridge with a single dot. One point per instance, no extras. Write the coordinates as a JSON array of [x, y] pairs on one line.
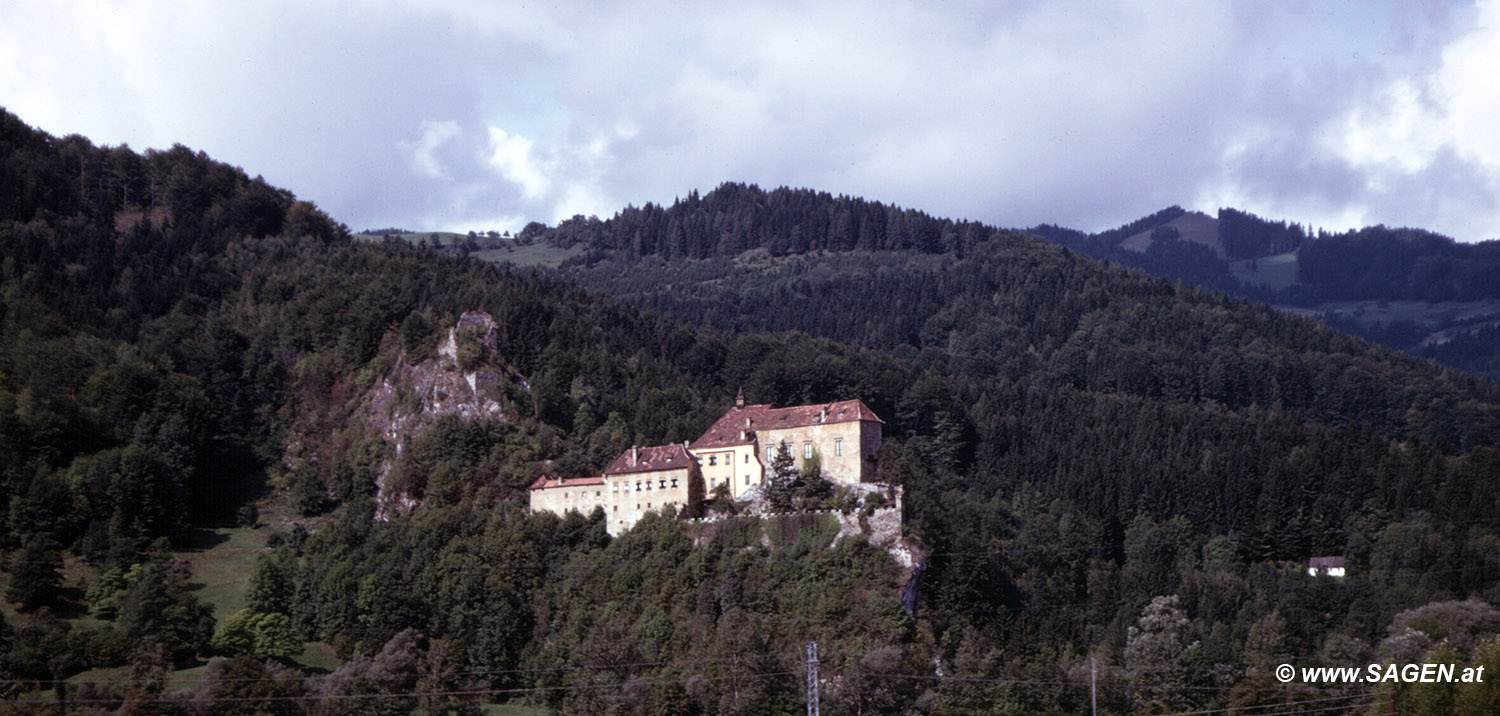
[[1450, 312]]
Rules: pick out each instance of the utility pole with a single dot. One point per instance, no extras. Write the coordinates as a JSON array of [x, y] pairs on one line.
[[1093, 693], [812, 678]]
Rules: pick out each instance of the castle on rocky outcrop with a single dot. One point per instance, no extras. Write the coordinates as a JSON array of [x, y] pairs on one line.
[[735, 452]]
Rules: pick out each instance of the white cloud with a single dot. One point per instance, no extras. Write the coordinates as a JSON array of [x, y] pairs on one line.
[[423, 152], [1013, 113], [512, 157], [1415, 148]]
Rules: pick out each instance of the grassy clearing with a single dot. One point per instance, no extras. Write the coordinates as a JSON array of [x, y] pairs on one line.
[[318, 657], [1420, 312], [510, 252], [440, 238], [120, 675], [1274, 272], [528, 255], [222, 560]]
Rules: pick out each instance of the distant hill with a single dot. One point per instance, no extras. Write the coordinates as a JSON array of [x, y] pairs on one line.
[[1409, 289], [979, 302]]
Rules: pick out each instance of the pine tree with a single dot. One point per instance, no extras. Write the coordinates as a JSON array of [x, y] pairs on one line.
[[782, 480], [696, 493]]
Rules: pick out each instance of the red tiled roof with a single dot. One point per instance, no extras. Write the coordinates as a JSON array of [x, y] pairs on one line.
[[730, 429], [647, 459], [545, 482]]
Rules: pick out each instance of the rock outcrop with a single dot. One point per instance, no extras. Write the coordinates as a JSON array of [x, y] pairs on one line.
[[467, 377]]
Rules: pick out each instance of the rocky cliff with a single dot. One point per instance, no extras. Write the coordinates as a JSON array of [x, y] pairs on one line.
[[466, 377]]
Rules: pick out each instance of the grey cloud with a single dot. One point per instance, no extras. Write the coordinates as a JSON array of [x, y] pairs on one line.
[[1012, 113]]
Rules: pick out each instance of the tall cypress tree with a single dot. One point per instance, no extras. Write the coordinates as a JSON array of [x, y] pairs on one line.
[[782, 480]]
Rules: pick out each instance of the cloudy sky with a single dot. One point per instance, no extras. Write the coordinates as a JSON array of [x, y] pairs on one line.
[[459, 114]]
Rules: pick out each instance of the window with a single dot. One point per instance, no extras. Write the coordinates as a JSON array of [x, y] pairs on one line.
[[838, 446], [664, 483], [807, 450], [711, 459], [770, 453], [637, 485], [674, 482], [617, 508], [747, 458], [648, 485], [747, 479]]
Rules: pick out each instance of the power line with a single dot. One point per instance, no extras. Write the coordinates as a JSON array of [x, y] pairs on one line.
[[411, 694], [1364, 701]]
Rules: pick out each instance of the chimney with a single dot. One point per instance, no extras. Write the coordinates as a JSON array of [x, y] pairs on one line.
[[739, 398], [634, 456], [747, 422], [823, 417]]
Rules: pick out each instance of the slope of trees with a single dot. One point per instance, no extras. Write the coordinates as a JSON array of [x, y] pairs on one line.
[[981, 303], [1079, 445]]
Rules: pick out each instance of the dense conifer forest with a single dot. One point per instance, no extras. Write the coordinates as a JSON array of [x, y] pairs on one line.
[[1447, 302], [1099, 466]]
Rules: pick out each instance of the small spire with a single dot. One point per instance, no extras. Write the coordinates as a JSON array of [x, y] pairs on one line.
[[739, 398]]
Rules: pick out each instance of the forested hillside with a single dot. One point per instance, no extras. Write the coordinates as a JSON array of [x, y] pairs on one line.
[[1099, 464], [1409, 289], [980, 303]]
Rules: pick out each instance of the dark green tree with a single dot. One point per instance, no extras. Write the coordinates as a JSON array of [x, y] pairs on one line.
[[36, 576], [813, 489], [697, 493], [271, 585], [781, 482], [158, 608]]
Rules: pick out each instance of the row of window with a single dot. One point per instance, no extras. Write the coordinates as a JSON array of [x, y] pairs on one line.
[[714, 460], [807, 450], [646, 483], [770, 452]]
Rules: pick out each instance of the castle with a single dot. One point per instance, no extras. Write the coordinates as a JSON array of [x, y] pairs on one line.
[[735, 452]]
